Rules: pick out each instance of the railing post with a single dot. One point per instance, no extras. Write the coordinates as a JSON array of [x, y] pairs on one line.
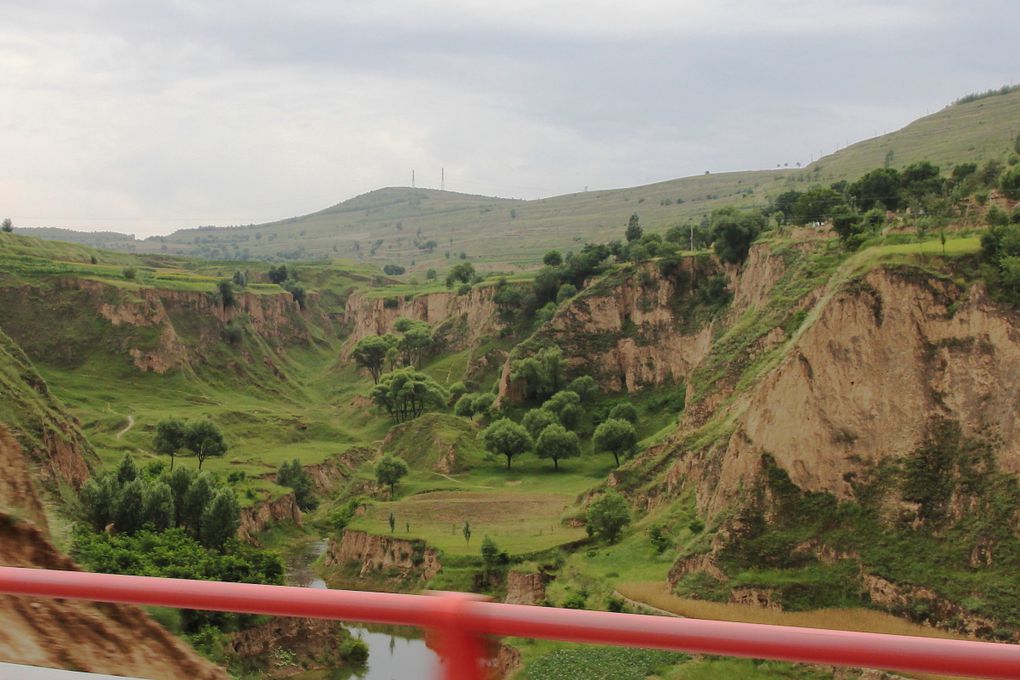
[[462, 650]]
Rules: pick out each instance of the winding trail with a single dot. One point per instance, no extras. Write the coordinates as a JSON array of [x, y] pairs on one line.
[[131, 423]]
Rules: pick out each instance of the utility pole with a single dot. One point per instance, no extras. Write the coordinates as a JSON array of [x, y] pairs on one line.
[[412, 178], [692, 237], [442, 179]]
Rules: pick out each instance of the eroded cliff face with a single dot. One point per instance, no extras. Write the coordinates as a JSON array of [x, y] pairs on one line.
[[525, 588], [160, 330], [371, 553], [84, 636], [644, 329], [257, 518], [314, 643], [474, 314], [57, 451], [886, 354]]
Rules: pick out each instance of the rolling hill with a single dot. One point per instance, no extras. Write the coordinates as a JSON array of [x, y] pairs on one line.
[[424, 228]]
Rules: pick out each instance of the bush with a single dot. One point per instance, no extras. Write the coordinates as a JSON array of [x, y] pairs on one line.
[[129, 273], [607, 517], [1010, 183], [354, 651]]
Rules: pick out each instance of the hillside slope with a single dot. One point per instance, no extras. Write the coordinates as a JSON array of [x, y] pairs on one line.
[[98, 638]]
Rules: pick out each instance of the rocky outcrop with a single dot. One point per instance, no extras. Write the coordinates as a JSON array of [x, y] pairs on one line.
[[308, 644], [939, 611], [160, 329], [257, 518], [525, 588], [370, 553], [764, 598], [328, 475], [56, 449], [84, 636], [692, 564], [632, 333], [886, 353], [475, 311], [505, 663], [17, 491]]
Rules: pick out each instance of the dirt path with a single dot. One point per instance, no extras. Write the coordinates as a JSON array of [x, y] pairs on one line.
[[638, 604], [131, 423]]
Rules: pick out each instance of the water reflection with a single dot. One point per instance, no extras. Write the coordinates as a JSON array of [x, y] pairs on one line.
[[391, 655]]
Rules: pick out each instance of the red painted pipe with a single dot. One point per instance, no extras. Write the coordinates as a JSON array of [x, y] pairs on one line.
[[461, 620]]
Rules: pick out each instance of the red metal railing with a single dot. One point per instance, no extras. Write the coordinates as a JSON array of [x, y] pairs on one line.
[[462, 623]]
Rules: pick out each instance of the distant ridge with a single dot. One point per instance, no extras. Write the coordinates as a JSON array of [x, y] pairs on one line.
[[425, 228]]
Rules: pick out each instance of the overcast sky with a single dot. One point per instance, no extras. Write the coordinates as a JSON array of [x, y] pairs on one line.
[[145, 117]]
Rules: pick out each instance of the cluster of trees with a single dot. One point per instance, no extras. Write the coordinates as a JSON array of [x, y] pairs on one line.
[[1000, 254], [559, 279], [176, 554], [7, 226], [287, 279], [201, 437], [410, 347], [293, 475], [406, 393], [155, 500], [462, 273], [857, 209], [477, 406], [393, 270]]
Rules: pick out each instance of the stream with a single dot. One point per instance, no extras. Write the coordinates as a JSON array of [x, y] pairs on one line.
[[391, 656]]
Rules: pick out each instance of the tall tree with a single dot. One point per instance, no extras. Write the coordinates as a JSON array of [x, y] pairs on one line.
[[179, 481], [220, 519], [370, 353], [607, 517], [197, 497], [293, 475], [205, 440], [507, 438], [170, 438], [558, 443], [389, 470], [159, 506], [7, 226], [616, 436], [634, 230]]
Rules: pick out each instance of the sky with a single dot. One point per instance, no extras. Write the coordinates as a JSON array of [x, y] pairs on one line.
[[144, 117]]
